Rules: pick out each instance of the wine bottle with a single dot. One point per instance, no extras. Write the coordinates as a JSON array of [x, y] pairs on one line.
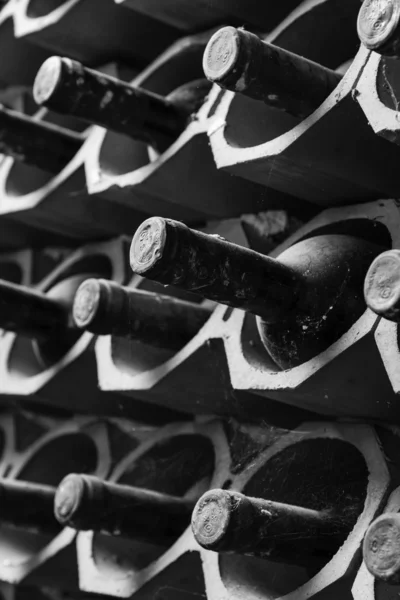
[[31, 313], [89, 503], [381, 548], [67, 87], [46, 321], [305, 300], [29, 506], [230, 522], [240, 61], [382, 286], [378, 26], [106, 308], [37, 143]]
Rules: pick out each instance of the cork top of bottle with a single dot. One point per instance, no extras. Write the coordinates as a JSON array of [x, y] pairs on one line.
[[381, 548], [221, 53], [68, 498], [377, 22], [47, 80], [211, 517], [86, 302], [382, 285], [148, 245]]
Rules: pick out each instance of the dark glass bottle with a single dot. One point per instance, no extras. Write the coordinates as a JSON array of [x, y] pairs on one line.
[[305, 300]]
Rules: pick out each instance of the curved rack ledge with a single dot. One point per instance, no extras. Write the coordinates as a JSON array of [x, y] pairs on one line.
[[17, 266], [58, 207], [131, 173], [28, 377], [177, 13], [16, 592], [203, 14], [28, 267], [41, 559], [297, 157], [349, 378], [92, 31], [23, 59], [120, 567], [227, 577]]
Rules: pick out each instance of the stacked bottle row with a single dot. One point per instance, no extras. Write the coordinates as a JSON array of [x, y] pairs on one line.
[[174, 322], [117, 508], [64, 180]]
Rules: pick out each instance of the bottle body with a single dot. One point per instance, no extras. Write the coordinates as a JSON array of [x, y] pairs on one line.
[[333, 268], [88, 503], [230, 522], [240, 61]]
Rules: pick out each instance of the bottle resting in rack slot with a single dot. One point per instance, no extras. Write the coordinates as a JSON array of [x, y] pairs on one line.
[[29, 506], [240, 61], [305, 300], [106, 308], [382, 286], [381, 548], [67, 87], [89, 503], [226, 521], [378, 26], [37, 143]]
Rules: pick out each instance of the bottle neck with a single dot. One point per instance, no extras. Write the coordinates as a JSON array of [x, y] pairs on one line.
[[171, 253], [68, 87], [29, 506], [37, 143], [106, 308]]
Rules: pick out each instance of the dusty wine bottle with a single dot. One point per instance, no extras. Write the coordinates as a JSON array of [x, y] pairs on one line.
[[240, 61], [89, 503], [29, 506], [106, 308], [67, 87], [230, 522], [381, 548], [37, 143], [378, 26], [382, 286], [305, 300]]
